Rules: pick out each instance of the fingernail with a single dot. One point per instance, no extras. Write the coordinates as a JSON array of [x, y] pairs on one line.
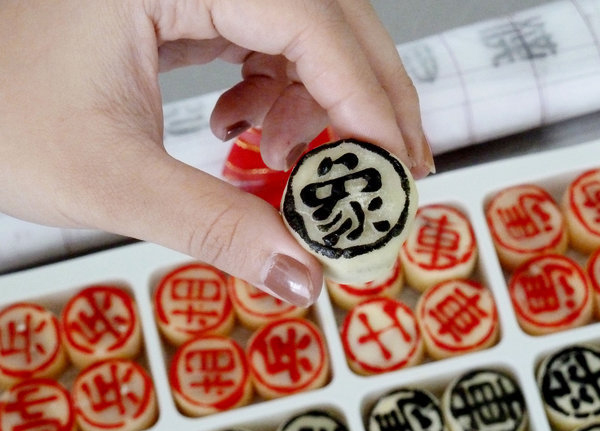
[[428, 156], [236, 129], [426, 166], [294, 154], [288, 279]]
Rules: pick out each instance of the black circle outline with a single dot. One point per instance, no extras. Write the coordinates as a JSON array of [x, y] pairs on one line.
[[296, 222]]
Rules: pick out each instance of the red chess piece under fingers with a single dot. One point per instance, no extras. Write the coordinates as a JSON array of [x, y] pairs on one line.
[[440, 246], [191, 301], [581, 206], [593, 272], [254, 308], [30, 344], [525, 222], [245, 168], [457, 316], [287, 356], [36, 404], [550, 293], [101, 322], [116, 394], [210, 374], [381, 335]]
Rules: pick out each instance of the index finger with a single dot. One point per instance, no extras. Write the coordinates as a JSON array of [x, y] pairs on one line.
[[313, 34]]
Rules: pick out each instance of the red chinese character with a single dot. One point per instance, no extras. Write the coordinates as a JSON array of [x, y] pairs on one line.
[[29, 343], [192, 300], [99, 316], [458, 314], [211, 365], [286, 356], [18, 338], [438, 239], [36, 405], [389, 308], [113, 394], [209, 374], [542, 290], [526, 218]]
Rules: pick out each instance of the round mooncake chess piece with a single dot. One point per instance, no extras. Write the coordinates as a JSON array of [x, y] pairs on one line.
[[525, 222], [581, 206], [36, 404], [407, 410], [550, 293], [316, 420], [484, 400], [287, 356], [210, 374], [593, 272], [31, 343], [381, 335], [347, 296], [115, 394], [254, 308], [440, 246], [101, 322], [351, 204], [191, 301], [457, 316], [568, 382]]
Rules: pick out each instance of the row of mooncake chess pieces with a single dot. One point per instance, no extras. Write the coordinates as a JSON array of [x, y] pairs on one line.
[[99, 332], [454, 314], [311, 420], [535, 237], [100, 326], [484, 399], [487, 399]]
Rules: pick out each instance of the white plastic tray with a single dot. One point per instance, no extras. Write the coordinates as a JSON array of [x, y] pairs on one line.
[[347, 394]]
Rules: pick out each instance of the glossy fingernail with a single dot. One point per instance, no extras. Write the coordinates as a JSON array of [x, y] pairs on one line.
[[236, 129], [288, 279], [294, 154], [428, 156]]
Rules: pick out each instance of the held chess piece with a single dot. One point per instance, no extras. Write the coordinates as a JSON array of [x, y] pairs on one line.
[[350, 204]]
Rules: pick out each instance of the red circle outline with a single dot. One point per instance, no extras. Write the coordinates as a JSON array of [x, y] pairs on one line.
[[164, 283], [377, 289], [22, 374], [264, 331], [144, 405], [464, 258], [236, 299], [594, 261], [476, 285], [525, 267], [126, 300], [226, 403], [372, 369], [576, 208], [496, 235], [68, 426]]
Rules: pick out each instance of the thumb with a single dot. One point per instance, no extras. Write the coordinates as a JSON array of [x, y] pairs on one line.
[[188, 210]]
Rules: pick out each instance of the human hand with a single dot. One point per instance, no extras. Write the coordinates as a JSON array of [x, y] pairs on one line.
[[81, 117]]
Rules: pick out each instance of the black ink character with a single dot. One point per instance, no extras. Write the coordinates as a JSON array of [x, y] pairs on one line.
[[571, 384], [483, 399], [336, 214], [412, 411]]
